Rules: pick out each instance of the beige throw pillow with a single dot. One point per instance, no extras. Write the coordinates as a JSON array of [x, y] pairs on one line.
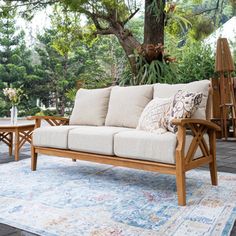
[[90, 107], [202, 86], [184, 105], [126, 105], [155, 116]]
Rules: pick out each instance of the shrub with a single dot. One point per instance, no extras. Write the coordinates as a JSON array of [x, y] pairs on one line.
[[156, 71], [29, 112], [196, 62], [48, 112]]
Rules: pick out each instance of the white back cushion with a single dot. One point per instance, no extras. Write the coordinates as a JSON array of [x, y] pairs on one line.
[[90, 107], [169, 90], [126, 105]]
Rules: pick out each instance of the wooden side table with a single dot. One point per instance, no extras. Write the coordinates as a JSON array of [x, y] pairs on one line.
[[22, 134]]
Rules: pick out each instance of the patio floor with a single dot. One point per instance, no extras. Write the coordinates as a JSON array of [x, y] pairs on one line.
[[226, 160]]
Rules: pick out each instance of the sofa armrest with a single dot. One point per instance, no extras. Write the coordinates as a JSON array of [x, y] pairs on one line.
[[51, 120], [188, 121], [198, 128]]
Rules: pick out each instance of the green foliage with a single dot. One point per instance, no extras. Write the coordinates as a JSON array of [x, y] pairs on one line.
[[136, 26], [68, 30], [101, 62], [62, 65], [175, 20], [70, 51], [150, 73], [4, 108], [57, 73], [201, 28], [71, 94], [102, 7], [48, 112], [15, 61], [12, 70], [196, 19], [196, 62], [29, 112]]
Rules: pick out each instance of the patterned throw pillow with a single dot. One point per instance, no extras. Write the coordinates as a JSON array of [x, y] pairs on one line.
[[155, 115], [184, 105]]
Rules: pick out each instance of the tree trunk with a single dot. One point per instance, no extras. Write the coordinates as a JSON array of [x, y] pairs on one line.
[[153, 30], [56, 101], [62, 113], [129, 44], [154, 23], [129, 51], [65, 72]]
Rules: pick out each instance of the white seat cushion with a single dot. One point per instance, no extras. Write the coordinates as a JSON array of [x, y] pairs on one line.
[[99, 140], [52, 136], [144, 145], [169, 90], [90, 107], [126, 105]]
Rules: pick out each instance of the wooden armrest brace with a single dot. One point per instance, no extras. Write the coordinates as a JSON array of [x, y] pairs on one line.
[[51, 120], [198, 128]]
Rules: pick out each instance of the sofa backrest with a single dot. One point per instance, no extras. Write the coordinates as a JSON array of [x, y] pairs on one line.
[[126, 105], [168, 90], [123, 106], [90, 107], [209, 103]]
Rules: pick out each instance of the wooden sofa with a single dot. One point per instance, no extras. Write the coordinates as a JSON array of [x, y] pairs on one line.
[[203, 138]]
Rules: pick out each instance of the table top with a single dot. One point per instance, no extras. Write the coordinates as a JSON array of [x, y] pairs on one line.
[[6, 123]]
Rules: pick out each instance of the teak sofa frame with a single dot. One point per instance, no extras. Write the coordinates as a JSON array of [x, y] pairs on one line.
[[184, 161]]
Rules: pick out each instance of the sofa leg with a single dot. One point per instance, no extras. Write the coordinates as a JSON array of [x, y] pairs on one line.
[[181, 188], [212, 164], [34, 156], [213, 170], [74, 160]]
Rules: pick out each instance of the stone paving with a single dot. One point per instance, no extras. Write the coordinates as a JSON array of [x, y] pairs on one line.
[[226, 160]]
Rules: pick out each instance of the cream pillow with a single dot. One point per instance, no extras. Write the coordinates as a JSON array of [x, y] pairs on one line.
[[155, 116], [184, 105], [202, 86], [90, 107], [126, 105]]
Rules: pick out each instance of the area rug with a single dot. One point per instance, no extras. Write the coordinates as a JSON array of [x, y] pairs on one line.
[[81, 198]]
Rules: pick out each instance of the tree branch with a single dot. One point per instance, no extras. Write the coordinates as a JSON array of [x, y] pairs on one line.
[[29, 5], [104, 31], [208, 10], [94, 17], [20, 3], [130, 17]]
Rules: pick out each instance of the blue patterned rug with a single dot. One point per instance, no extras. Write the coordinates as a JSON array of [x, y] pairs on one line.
[[67, 198]]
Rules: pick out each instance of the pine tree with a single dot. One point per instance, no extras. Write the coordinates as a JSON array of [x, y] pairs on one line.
[[15, 59], [12, 48], [56, 73]]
